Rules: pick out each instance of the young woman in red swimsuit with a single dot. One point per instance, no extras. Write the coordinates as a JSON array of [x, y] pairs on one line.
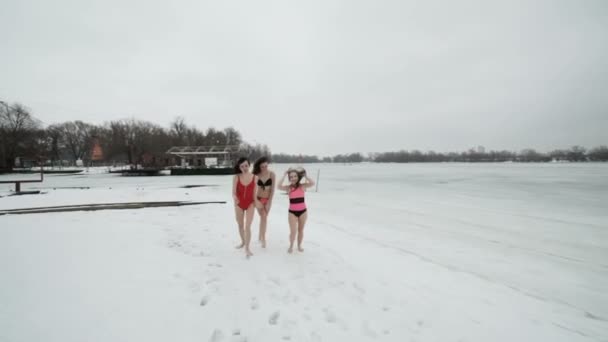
[[297, 207], [244, 188], [266, 181]]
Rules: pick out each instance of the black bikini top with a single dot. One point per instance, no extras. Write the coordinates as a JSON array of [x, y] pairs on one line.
[[268, 182]]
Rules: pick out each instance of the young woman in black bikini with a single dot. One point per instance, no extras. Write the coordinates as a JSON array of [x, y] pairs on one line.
[[266, 181], [298, 213]]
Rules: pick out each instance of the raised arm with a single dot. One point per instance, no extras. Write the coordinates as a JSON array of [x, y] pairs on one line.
[[309, 182], [280, 185]]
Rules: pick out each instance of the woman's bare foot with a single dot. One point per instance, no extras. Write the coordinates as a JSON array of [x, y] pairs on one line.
[[300, 249], [290, 250], [248, 253], [263, 243], [240, 246]]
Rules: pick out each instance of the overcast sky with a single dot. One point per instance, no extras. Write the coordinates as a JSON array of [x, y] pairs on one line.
[[320, 77]]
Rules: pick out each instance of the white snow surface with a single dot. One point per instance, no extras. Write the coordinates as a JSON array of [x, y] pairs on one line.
[[414, 252]]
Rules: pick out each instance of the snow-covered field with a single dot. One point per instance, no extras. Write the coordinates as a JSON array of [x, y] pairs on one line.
[[416, 252]]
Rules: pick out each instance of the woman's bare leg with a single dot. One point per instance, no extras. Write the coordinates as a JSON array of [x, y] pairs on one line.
[[293, 223], [263, 224], [240, 215], [301, 224], [248, 221]]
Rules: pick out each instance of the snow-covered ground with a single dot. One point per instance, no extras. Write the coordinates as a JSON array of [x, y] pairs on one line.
[[416, 252]]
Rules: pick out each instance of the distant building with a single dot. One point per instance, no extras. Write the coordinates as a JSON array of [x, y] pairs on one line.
[[96, 150], [203, 160], [203, 156]]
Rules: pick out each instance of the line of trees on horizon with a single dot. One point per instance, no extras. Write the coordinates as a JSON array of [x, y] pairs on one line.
[[23, 137], [129, 141], [573, 154]]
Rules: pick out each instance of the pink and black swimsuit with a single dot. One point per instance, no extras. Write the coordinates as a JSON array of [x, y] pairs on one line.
[[297, 206]]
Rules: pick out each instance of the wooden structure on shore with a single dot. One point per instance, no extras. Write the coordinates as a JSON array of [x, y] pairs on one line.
[[203, 160], [18, 182]]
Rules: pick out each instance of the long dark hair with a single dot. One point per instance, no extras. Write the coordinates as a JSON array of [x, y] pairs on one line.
[[237, 167], [256, 166]]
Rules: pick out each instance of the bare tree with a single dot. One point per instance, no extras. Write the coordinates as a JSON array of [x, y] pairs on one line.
[[76, 136], [233, 137], [184, 135], [142, 139], [142, 142], [53, 143], [195, 137], [18, 130], [599, 153], [558, 155], [254, 152], [577, 153], [296, 159], [214, 137], [178, 130]]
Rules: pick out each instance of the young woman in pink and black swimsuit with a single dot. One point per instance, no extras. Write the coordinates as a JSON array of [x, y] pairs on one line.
[[266, 181], [297, 205]]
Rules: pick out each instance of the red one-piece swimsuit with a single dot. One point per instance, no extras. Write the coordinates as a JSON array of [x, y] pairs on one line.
[[244, 193]]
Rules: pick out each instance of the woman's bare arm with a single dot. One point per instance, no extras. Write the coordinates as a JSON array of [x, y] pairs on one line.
[[274, 183], [280, 185], [234, 196], [309, 182]]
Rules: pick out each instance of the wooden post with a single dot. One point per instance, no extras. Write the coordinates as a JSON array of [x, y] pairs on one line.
[[318, 174], [19, 181]]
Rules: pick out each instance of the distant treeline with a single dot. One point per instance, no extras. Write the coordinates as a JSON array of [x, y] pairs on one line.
[[349, 158], [574, 154], [122, 141], [137, 142]]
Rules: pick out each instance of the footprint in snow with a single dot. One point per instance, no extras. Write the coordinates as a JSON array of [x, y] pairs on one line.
[[330, 317], [254, 304], [195, 287], [368, 330], [212, 280], [217, 336], [276, 281], [274, 318]]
